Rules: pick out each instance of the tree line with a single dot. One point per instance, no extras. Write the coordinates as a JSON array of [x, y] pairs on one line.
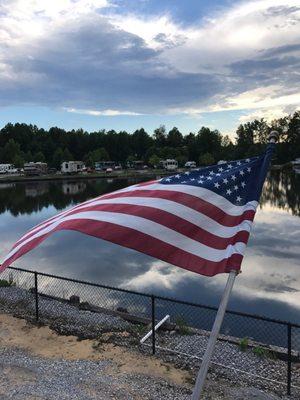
[[21, 143]]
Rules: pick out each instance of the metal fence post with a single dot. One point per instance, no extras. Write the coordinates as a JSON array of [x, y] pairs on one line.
[[153, 323], [36, 296], [289, 362]]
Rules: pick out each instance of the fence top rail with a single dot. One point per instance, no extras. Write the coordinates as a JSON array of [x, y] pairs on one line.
[[170, 299]]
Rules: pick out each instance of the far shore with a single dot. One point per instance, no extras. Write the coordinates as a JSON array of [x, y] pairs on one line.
[[100, 175], [124, 174]]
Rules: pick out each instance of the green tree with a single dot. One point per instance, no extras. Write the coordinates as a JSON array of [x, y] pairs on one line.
[[96, 155], [67, 156], [39, 157], [154, 161], [174, 138], [57, 158], [209, 141], [206, 159], [10, 151], [160, 136]]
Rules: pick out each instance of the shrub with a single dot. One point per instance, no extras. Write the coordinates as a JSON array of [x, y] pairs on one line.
[[183, 329], [244, 344]]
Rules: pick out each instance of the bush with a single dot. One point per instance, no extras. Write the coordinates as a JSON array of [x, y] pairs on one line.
[[244, 344], [4, 283], [183, 329]]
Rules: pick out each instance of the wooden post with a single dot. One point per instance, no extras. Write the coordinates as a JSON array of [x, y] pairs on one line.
[[198, 389]]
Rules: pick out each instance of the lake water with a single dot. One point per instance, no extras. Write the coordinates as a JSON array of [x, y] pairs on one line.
[[269, 284]]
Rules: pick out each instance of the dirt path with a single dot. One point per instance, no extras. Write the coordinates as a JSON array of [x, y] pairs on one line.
[[42, 341]]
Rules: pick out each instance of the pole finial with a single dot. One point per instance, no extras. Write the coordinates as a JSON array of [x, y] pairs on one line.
[[273, 137]]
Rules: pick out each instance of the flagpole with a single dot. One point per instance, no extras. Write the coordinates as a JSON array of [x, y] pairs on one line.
[[198, 389], [200, 381]]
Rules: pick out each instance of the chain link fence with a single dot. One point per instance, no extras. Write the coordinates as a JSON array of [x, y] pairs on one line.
[[259, 348]]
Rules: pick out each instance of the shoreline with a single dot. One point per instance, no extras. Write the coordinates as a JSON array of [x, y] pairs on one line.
[[138, 174], [102, 175]]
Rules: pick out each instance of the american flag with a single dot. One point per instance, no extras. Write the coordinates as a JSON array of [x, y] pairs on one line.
[[199, 220]]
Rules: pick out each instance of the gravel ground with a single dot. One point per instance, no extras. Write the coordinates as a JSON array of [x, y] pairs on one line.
[[26, 377], [230, 355]]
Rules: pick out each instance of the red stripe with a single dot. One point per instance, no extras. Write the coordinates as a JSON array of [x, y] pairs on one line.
[[136, 240], [167, 219], [190, 201]]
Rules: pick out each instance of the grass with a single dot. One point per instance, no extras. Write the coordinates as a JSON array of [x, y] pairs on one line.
[[5, 283], [243, 344], [183, 329]]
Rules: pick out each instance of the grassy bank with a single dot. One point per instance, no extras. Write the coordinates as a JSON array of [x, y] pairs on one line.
[[63, 177]]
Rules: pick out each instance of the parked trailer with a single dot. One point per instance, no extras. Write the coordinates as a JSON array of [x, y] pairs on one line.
[[8, 169], [35, 168], [72, 167], [169, 164]]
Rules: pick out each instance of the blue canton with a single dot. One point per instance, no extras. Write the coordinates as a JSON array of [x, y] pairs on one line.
[[238, 181]]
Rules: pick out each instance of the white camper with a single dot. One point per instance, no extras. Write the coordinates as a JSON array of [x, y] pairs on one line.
[[8, 169], [72, 167], [190, 164], [170, 164]]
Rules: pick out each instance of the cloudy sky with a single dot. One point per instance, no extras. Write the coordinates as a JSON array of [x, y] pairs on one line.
[[124, 64]]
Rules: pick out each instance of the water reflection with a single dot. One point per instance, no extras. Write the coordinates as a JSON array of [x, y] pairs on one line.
[[269, 284]]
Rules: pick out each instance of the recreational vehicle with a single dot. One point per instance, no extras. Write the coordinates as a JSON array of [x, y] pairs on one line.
[[72, 167], [35, 168], [8, 169], [169, 164]]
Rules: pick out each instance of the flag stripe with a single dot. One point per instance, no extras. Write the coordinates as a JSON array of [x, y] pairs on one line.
[[149, 227], [173, 208], [196, 204], [174, 222], [198, 192], [136, 240]]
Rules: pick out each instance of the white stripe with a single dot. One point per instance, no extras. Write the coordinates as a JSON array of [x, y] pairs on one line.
[[150, 228]]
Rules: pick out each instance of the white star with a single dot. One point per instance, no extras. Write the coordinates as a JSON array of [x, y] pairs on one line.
[[229, 166], [187, 173], [233, 177], [239, 163], [211, 173], [249, 169], [168, 180], [228, 191], [243, 184], [217, 185], [201, 176], [218, 174], [200, 181], [238, 198], [225, 180], [242, 173], [236, 187], [192, 179], [177, 176], [247, 160], [220, 169], [209, 178]]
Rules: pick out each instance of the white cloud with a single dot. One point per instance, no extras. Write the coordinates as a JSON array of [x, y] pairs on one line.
[[70, 53], [97, 113]]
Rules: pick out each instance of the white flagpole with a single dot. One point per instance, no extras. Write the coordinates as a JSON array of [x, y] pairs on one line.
[[198, 389]]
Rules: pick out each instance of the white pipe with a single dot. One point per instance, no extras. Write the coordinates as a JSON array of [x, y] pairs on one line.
[[155, 328]]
